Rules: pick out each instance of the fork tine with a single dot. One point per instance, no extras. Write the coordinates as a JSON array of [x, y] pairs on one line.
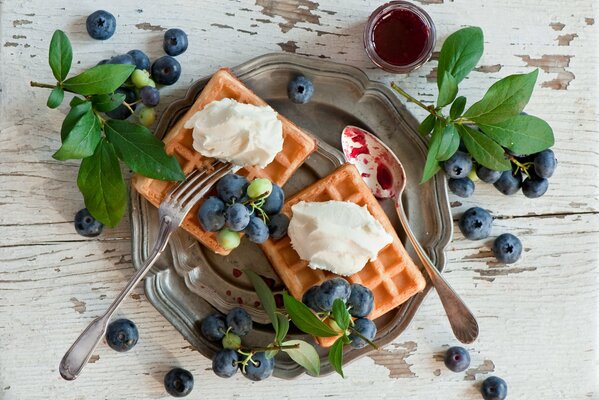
[[182, 199], [182, 187], [201, 190]]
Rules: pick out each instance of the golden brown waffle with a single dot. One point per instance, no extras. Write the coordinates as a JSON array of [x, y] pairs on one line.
[[393, 277], [297, 146]]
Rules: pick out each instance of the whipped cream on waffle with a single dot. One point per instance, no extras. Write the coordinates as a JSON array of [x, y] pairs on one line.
[[243, 134], [337, 236]]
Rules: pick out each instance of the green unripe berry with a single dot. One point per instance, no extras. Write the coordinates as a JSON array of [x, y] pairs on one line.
[[147, 115], [228, 239], [472, 175], [140, 78], [151, 83], [231, 341], [260, 187]]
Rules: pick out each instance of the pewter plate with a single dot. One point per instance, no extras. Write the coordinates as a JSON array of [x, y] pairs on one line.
[[187, 282]]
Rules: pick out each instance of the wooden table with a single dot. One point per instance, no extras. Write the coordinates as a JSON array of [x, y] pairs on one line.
[[538, 317]]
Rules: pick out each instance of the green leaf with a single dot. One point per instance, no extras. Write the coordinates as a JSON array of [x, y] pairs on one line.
[[523, 134], [431, 167], [271, 353], [448, 90], [82, 140], [267, 299], [102, 185], [336, 356], [484, 150], [56, 97], [504, 99], [73, 116], [340, 314], [142, 151], [283, 323], [107, 102], [75, 101], [427, 125], [457, 108], [305, 355], [101, 79], [304, 319], [460, 54], [60, 55], [450, 141]]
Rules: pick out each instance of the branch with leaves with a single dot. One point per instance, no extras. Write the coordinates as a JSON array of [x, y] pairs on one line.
[[489, 126], [87, 134]]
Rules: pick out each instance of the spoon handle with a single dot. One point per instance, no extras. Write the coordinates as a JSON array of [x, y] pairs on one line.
[[462, 321]]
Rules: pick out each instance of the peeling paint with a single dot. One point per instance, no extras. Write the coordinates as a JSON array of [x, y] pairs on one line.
[[289, 46], [19, 37], [564, 40], [554, 63], [223, 26], [135, 296], [430, 1], [19, 22], [455, 204], [589, 21], [432, 76], [94, 358], [486, 367], [292, 11], [10, 44], [78, 305], [248, 32], [489, 68], [557, 26], [499, 269], [395, 360], [437, 372], [146, 26]]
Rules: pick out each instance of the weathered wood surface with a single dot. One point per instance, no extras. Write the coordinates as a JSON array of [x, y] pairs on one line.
[[538, 317]]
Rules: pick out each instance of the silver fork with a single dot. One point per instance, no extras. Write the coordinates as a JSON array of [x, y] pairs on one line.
[[175, 206]]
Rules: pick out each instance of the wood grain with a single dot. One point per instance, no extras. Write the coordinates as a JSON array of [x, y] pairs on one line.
[[538, 317]]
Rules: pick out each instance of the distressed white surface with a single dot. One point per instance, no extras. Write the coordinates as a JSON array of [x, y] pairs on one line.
[[538, 317]]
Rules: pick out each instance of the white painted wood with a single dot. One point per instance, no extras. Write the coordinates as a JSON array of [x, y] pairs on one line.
[[538, 317]]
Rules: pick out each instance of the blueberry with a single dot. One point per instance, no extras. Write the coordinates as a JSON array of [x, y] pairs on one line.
[[277, 226], [122, 112], [86, 225], [175, 42], [509, 182], [545, 163], [256, 231], [166, 70], [534, 187], [239, 321], [178, 382], [507, 248], [300, 89], [237, 217], [487, 175], [211, 214], [309, 298], [274, 202], [463, 187], [122, 335], [494, 388], [224, 363], [458, 165], [100, 25], [366, 328], [475, 223], [213, 327], [150, 96], [361, 300], [336, 288], [231, 187], [122, 59], [457, 359], [140, 59], [260, 367]]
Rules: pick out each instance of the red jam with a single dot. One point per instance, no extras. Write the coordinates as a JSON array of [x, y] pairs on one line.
[[400, 37]]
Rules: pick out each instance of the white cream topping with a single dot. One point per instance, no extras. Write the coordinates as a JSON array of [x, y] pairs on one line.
[[336, 236], [243, 134]]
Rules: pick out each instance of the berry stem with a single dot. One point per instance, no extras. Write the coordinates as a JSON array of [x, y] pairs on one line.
[[410, 98], [42, 85], [273, 347], [358, 334], [129, 107]]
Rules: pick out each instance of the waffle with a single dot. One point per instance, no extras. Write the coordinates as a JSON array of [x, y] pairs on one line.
[[393, 277], [297, 146]]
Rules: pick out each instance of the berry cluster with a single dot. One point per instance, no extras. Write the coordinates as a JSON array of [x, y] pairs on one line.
[[255, 365], [475, 224], [359, 302], [240, 206], [529, 172], [141, 85]]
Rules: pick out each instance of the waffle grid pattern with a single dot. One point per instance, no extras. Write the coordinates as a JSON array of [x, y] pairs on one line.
[[297, 146]]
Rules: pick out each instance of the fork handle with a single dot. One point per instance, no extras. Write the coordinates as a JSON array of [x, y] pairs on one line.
[[462, 321], [81, 350]]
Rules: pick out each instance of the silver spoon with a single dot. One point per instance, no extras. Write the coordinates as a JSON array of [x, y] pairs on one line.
[[386, 178]]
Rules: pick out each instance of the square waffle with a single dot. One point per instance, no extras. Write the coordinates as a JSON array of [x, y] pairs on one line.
[[297, 146], [393, 277]]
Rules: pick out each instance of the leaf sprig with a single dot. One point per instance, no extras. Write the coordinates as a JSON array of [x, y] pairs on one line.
[[489, 126], [87, 134]]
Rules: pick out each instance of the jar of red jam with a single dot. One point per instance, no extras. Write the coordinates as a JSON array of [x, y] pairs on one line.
[[399, 37]]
